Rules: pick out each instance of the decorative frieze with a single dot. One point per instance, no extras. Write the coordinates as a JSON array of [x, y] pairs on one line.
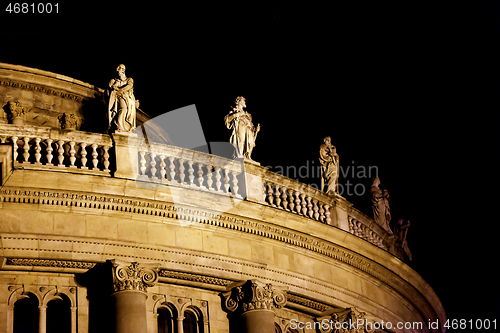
[[133, 276], [349, 320], [252, 295], [49, 263]]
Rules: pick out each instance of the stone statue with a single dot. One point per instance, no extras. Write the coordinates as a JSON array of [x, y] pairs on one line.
[[329, 160], [401, 230], [380, 202], [243, 131], [122, 103]]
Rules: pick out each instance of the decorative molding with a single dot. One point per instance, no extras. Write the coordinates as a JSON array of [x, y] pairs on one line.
[[45, 90], [348, 320], [296, 299], [253, 294], [194, 277], [133, 276], [49, 263]]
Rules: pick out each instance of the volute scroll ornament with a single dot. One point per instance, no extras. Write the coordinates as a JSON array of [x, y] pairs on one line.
[[253, 295], [133, 276], [348, 320]]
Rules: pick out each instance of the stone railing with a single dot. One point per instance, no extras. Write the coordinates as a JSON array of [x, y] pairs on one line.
[[296, 197], [132, 158], [43, 148], [365, 227], [161, 163]]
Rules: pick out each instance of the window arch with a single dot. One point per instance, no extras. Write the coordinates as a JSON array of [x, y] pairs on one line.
[[166, 319], [291, 330], [277, 328], [193, 320], [59, 315], [26, 314]]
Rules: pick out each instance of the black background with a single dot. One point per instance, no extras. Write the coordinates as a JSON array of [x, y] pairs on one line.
[[410, 87]]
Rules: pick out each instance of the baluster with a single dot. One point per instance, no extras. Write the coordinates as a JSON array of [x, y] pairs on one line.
[[72, 153], [171, 167], [60, 150], [309, 207], [209, 176], [105, 157], [298, 207], [304, 203], [38, 149], [284, 198], [182, 175], [49, 152], [277, 198], [142, 161], [200, 174], [83, 152], [291, 203], [14, 147], [321, 212], [235, 184], [316, 210], [328, 220], [94, 156], [163, 172], [191, 173], [3, 139], [152, 164], [270, 194], [226, 180], [217, 179], [26, 148]]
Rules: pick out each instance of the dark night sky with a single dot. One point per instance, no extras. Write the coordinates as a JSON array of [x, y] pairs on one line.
[[410, 87]]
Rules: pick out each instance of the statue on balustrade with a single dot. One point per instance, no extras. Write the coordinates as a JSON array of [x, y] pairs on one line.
[[122, 103], [329, 160], [401, 230], [380, 203], [243, 133]]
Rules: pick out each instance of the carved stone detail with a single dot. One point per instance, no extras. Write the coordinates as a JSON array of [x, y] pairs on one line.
[[68, 121], [348, 320], [252, 295], [133, 276], [16, 112]]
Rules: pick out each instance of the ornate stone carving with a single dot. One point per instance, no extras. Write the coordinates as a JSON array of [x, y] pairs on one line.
[[252, 295], [49, 263], [68, 121], [349, 320], [380, 204], [16, 112], [329, 160], [133, 276], [122, 104], [244, 133]]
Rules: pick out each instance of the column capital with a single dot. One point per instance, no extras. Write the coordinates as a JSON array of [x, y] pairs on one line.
[[133, 275], [253, 295], [341, 318]]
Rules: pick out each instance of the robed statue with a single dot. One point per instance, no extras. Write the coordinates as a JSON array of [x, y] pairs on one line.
[[243, 133], [122, 103], [329, 160], [380, 204]]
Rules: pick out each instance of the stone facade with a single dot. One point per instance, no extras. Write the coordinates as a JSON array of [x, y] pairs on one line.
[[165, 239]]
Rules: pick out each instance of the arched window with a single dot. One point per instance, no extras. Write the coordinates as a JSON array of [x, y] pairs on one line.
[[59, 315], [193, 320], [26, 315], [277, 328], [166, 319]]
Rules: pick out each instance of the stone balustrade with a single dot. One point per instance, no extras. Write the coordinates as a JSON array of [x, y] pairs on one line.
[[75, 151], [296, 197], [43, 147], [365, 227], [177, 166]]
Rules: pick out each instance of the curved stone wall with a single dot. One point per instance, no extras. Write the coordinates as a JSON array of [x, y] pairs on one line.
[[63, 224]]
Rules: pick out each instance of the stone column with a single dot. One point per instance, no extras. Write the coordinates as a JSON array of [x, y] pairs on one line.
[[130, 282], [250, 305], [42, 319]]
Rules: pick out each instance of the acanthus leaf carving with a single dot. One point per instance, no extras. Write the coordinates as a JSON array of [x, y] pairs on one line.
[[133, 276]]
